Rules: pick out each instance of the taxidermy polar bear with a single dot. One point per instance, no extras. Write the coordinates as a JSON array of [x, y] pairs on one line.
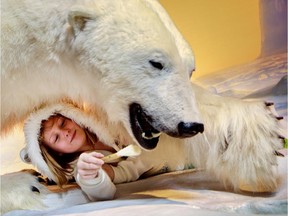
[[126, 59]]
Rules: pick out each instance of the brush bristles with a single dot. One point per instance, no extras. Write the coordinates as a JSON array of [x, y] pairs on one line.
[[129, 151]]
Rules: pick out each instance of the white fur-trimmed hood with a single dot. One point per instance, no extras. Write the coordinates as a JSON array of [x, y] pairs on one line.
[[32, 153]]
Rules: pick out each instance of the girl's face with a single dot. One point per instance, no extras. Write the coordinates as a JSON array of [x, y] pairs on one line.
[[64, 135]]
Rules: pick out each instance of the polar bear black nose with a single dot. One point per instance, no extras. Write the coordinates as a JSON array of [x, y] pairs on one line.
[[189, 129]]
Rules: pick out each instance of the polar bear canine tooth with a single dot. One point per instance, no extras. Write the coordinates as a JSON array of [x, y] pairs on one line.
[[151, 135]]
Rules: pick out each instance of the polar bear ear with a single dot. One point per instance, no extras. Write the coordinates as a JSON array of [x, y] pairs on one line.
[[78, 16]]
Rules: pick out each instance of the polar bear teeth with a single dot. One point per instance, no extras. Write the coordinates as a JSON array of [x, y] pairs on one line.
[[150, 135]]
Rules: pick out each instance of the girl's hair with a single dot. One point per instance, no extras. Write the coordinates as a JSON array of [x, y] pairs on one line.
[[60, 164]]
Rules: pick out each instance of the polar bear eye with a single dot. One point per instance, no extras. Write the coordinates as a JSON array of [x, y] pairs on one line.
[[157, 65]]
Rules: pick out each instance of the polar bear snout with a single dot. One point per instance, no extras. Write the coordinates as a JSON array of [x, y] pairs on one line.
[[148, 135], [189, 129]]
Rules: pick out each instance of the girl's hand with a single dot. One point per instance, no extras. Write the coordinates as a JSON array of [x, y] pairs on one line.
[[89, 164]]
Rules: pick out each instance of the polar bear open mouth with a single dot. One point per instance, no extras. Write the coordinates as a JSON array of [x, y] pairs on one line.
[[144, 132]]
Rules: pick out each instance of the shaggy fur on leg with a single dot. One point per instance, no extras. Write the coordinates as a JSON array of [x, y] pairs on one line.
[[243, 137], [21, 190]]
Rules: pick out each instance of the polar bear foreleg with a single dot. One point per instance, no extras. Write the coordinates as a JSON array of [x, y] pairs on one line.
[[244, 137]]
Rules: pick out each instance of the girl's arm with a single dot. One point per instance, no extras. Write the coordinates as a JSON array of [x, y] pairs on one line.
[[129, 170], [109, 170], [92, 179], [99, 188]]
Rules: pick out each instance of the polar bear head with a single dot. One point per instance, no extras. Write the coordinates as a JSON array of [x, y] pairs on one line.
[[135, 51], [124, 57]]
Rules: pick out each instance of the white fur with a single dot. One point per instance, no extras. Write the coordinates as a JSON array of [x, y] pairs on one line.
[[243, 136], [16, 192], [96, 53]]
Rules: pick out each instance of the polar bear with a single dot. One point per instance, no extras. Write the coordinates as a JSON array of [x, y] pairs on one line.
[[126, 59], [54, 60]]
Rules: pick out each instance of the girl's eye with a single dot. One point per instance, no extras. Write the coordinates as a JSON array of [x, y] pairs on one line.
[[62, 123], [56, 138]]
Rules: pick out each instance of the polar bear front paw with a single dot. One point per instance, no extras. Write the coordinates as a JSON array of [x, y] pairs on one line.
[[273, 132], [245, 146]]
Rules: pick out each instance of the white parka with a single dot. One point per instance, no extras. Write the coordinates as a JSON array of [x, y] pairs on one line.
[[100, 188]]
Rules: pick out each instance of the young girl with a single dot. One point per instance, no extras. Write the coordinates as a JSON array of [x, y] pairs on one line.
[[62, 143]]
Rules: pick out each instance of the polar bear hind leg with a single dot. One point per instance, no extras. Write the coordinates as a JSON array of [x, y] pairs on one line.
[[21, 190]]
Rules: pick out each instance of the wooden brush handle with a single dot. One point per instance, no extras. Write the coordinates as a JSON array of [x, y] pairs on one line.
[[110, 157]]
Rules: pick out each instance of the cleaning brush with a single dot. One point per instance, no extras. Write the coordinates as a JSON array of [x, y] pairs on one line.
[[131, 150]]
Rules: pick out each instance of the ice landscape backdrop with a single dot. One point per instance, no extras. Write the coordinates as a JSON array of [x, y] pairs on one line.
[[266, 76]]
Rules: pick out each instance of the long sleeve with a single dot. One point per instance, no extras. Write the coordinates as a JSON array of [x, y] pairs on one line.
[[129, 170], [100, 188]]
